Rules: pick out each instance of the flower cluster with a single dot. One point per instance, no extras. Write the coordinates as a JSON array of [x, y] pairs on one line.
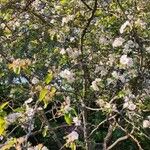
[[67, 74]]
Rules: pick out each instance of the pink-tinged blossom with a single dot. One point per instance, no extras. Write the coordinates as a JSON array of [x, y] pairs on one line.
[[127, 61], [65, 107], [11, 118], [118, 42], [35, 80], [146, 124], [67, 74], [129, 105], [62, 51], [77, 121], [95, 84], [72, 137]]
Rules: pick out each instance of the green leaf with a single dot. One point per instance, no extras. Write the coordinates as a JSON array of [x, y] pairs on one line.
[[121, 94], [45, 131], [73, 146], [74, 112], [49, 77], [2, 125], [17, 70], [64, 2], [53, 91], [3, 105], [43, 94], [45, 103], [68, 119]]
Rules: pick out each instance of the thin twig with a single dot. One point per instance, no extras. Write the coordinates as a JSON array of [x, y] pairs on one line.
[[86, 5], [117, 141]]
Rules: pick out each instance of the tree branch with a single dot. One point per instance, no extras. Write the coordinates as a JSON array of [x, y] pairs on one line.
[[117, 141], [86, 5]]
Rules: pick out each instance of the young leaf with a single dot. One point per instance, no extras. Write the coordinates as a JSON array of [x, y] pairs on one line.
[[3, 105], [43, 94], [2, 126], [73, 146], [68, 119], [49, 77], [17, 70]]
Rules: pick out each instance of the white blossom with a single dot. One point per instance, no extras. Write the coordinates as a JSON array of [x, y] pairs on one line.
[[118, 42], [107, 106], [122, 28], [146, 124], [72, 137], [109, 81], [37, 147], [73, 52], [77, 121], [62, 51], [35, 80], [66, 105], [115, 74], [29, 112], [111, 59], [11, 118], [101, 102], [65, 20], [1, 137], [148, 49], [29, 101], [67, 74], [140, 23], [129, 105], [128, 46], [95, 84], [124, 60], [2, 25]]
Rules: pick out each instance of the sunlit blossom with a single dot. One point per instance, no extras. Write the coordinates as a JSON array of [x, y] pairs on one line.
[[35, 80], [72, 137], [77, 121], [123, 27], [146, 124], [11, 118], [125, 60], [95, 84], [118, 42], [67, 74]]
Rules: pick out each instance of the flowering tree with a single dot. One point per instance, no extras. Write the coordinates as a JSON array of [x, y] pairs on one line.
[[74, 74]]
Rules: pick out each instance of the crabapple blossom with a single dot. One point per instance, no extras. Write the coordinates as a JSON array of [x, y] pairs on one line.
[[122, 28], [129, 105], [67, 74], [29, 101], [65, 20], [11, 118], [125, 60], [146, 124], [65, 107], [35, 80], [95, 84], [148, 49], [118, 42], [62, 51], [72, 137], [77, 121]]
